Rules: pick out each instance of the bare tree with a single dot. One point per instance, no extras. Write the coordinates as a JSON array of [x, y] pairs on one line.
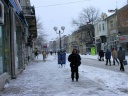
[[88, 15], [85, 22], [41, 33], [39, 26]]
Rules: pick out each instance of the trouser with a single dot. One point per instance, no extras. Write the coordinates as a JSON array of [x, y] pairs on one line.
[[74, 71], [116, 61], [44, 58], [107, 61], [36, 56], [121, 65], [101, 58]]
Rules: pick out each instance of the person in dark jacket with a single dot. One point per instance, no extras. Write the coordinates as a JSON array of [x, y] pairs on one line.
[[121, 57], [108, 57], [101, 55], [75, 61], [36, 53]]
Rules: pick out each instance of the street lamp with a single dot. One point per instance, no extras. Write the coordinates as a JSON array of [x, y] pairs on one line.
[[59, 32]]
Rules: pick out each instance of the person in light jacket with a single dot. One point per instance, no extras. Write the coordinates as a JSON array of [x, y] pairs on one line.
[[44, 55], [114, 56], [121, 57]]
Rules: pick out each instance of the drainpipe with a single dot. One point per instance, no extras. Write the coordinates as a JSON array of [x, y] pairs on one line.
[[11, 14]]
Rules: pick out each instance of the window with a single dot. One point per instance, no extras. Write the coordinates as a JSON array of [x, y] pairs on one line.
[[96, 30], [111, 24], [99, 27], [103, 27], [126, 19]]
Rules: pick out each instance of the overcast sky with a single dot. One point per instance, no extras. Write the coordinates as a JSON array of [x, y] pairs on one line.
[[62, 15]]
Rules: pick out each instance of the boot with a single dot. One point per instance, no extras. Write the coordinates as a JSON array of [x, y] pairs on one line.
[[72, 79]]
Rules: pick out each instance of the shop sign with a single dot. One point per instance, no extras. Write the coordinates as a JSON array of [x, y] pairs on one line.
[[122, 39]]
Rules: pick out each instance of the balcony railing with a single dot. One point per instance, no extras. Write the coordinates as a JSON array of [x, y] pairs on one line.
[[28, 10]]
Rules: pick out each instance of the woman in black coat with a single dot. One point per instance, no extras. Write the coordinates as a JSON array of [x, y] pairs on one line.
[[101, 55], [75, 61]]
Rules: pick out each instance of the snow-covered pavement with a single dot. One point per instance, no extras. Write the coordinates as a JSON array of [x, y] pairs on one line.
[[47, 79]]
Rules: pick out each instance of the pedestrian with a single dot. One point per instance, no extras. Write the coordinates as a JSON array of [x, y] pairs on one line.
[[75, 61], [121, 57], [47, 53], [108, 57], [36, 53], [28, 58], [114, 56], [55, 52], [44, 55], [101, 55], [51, 52]]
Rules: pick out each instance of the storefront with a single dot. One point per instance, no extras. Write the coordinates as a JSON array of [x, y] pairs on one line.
[[17, 40], [122, 41], [4, 44], [1, 52]]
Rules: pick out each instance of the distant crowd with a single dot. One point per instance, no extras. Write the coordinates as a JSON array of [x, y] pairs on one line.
[[118, 56]]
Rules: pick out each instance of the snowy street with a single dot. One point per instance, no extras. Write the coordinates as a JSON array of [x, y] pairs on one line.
[[48, 79]]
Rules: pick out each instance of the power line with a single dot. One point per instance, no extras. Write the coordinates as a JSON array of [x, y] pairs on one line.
[[63, 3]]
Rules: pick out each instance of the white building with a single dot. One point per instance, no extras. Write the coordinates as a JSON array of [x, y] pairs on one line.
[[101, 33]]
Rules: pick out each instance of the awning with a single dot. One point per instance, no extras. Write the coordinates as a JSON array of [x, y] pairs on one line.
[[14, 5]]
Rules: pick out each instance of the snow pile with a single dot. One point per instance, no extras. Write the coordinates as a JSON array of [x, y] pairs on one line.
[[105, 77]]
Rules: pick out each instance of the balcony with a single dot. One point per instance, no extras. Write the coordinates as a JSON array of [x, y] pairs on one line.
[[28, 10], [29, 13]]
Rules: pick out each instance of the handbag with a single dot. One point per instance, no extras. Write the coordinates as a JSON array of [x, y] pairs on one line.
[[125, 62], [79, 63]]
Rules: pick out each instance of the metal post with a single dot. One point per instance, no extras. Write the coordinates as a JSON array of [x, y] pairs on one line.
[[12, 43], [60, 48], [60, 39], [116, 46]]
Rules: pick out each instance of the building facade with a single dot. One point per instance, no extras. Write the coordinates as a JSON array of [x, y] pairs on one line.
[[5, 61], [122, 38], [13, 40]]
